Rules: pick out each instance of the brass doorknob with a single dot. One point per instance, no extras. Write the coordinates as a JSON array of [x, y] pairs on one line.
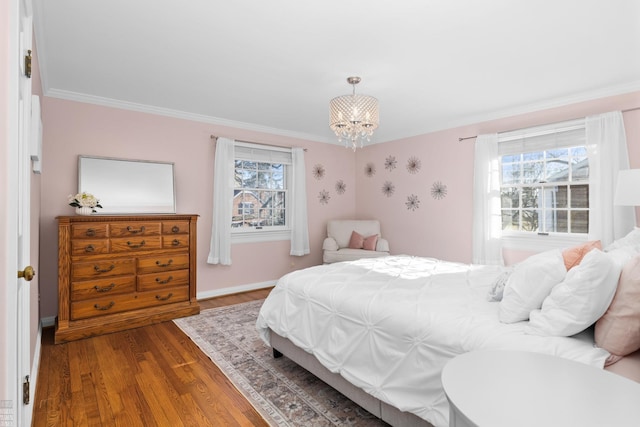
[[27, 274]]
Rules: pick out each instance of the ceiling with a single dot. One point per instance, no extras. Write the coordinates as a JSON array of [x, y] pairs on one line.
[[274, 65]]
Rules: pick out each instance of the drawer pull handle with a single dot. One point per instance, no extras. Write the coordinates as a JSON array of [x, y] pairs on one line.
[[164, 265], [89, 248], [131, 230], [104, 307], [104, 270], [91, 232], [104, 288], [175, 229], [175, 242], [136, 246], [164, 282], [159, 298]]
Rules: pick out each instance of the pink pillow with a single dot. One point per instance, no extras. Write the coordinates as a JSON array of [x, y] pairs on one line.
[[356, 241], [573, 256], [369, 243], [618, 330]]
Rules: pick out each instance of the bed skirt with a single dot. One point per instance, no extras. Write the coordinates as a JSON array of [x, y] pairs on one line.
[[382, 410]]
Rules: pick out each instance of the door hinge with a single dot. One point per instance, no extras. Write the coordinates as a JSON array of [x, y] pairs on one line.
[[25, 390], [27, 64]]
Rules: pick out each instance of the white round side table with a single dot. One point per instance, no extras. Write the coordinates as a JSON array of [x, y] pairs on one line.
[[513, 388]]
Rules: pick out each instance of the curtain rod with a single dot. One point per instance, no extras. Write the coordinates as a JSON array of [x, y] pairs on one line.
[[568, 120], [215, 138]]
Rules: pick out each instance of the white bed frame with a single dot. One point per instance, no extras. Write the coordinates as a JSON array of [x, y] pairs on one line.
[[382, 410]]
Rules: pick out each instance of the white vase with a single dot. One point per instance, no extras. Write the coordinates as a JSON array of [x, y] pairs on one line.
[[84, 210]]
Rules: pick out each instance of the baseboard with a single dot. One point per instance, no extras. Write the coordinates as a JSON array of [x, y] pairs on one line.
[[234, 290], [47, 322]]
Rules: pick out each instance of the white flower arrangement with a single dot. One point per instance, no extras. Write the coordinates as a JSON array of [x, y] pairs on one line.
[[84, 200]]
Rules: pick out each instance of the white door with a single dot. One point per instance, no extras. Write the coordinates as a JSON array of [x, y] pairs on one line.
[[20, 39]]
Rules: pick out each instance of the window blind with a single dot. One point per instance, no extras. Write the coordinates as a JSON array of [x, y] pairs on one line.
[[540, 138], [259, 153]]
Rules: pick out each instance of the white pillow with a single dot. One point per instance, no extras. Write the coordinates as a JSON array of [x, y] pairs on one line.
[[622, 255], [530, 283], [631, 240], [497, 287], [580, 300]]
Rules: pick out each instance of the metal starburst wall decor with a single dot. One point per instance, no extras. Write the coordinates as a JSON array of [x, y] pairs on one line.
[[438, 190], [324, 197], [341, 187], [388, 188], [318, 172], [413, 165], [370, 169], [390, 163], [413, 202]]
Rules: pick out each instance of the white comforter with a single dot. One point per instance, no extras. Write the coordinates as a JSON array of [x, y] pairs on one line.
[[389, 325]]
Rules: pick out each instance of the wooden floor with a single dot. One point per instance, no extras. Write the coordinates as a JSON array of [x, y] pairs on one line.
[[149, 376]]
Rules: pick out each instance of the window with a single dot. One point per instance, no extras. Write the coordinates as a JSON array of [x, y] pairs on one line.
[[245, 208], [544, 182], [261, 193], [272, 179]]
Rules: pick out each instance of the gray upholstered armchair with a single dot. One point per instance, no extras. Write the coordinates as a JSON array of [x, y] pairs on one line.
[[367, 241]]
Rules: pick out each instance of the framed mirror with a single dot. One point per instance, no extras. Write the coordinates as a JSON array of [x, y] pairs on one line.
[[128, 186]]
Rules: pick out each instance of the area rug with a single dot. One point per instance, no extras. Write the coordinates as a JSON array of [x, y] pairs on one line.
[[284, 393]]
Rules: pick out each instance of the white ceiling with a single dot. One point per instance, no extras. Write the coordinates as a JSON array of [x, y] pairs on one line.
[[274, 65]]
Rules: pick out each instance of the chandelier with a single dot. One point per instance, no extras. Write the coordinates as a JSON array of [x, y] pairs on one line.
[[353, 117]]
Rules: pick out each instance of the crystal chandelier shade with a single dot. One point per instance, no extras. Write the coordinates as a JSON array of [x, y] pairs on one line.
[[353, 117]]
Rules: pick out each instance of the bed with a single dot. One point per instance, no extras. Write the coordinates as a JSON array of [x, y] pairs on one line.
[[380, 330]]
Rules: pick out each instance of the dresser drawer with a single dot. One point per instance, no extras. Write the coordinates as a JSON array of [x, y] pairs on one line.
[[175, 242], [159, 263], [127, 302], [100, 306], [89, 246], [103, 268], [175, 227], [137, 243], [164, 296], [89, 231], [121, 229], [102, 287], [155, 281]]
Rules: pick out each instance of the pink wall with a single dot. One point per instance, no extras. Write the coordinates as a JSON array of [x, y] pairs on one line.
[[441, 228], [438, 227], [72, 128]]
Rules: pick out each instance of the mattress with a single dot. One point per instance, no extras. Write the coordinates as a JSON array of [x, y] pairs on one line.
[[389, 325]]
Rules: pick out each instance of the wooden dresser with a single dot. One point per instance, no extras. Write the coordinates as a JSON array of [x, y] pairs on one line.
[[121, 272]]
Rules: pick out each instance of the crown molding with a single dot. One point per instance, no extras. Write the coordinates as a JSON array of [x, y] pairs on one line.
[[534, 107], [465, 121], [150, 109]]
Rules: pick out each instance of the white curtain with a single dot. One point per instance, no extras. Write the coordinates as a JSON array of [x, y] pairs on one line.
[[299, 225], [607, 152], [220, 247], [487, 220]]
